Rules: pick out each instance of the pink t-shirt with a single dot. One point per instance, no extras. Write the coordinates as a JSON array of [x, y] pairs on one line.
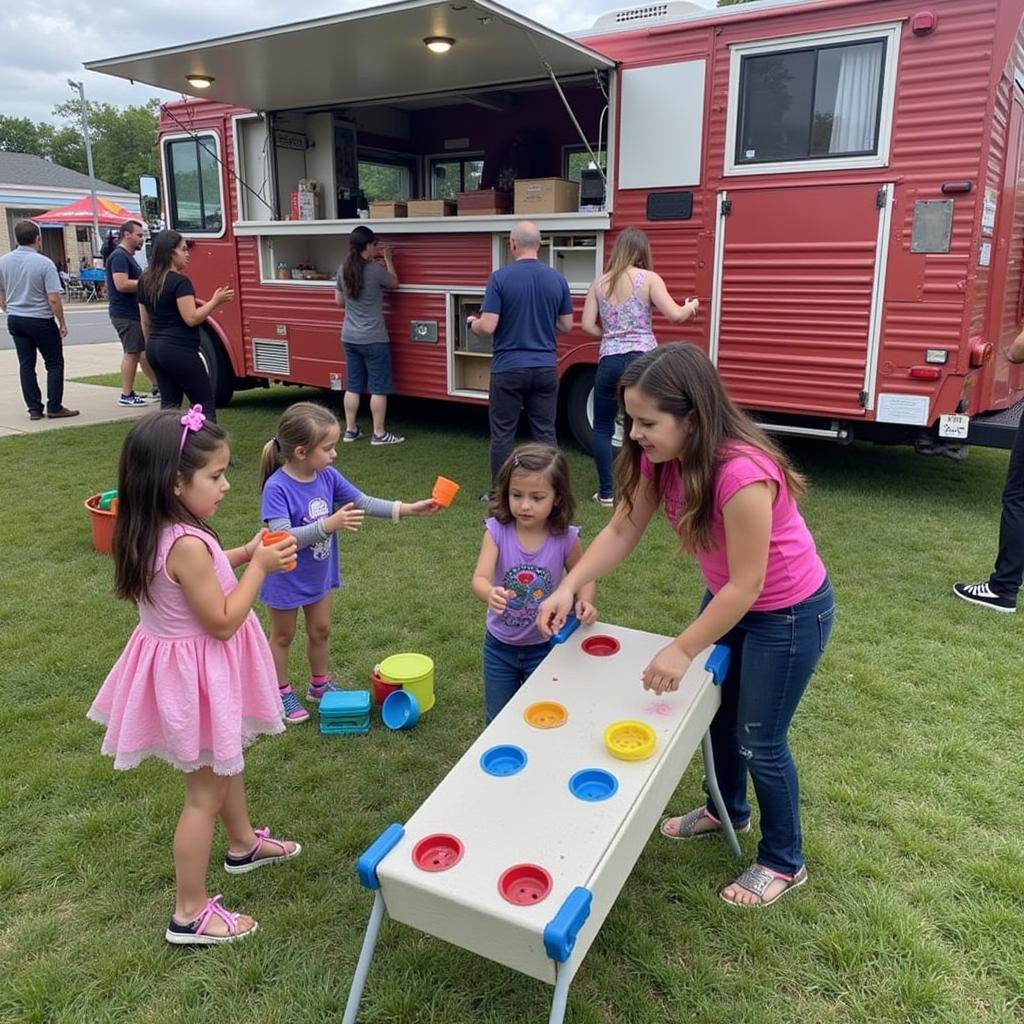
[[795, 570]]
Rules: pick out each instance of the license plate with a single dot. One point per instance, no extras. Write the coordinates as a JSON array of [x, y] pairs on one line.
[[955, 425]]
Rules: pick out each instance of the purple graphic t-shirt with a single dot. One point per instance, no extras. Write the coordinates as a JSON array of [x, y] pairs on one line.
[[532, 575], [318, 571]]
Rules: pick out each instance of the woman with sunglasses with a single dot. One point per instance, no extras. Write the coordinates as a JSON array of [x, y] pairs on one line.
[[170, 321]]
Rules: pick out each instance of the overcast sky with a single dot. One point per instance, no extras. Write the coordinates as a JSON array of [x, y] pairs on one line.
[[42, 44]]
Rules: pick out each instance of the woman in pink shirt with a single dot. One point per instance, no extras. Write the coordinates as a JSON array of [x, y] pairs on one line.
[[730, 495]]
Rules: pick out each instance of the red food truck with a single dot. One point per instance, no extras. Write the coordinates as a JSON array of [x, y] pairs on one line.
[[837, 180]]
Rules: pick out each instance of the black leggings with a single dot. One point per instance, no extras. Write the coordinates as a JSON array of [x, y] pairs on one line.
[[179, 371]]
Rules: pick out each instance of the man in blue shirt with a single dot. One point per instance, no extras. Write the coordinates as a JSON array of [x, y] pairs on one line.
[[524, 305], [30, 292], [123, 275]]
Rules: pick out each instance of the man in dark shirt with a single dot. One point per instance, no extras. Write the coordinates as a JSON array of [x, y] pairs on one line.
[[524, 305], [123, 308]]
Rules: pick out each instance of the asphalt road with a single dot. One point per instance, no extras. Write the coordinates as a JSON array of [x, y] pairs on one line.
[[86, 326]]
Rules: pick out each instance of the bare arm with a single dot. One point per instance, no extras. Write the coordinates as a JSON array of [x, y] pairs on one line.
[[3, 300], [484, 324], [57, 307], [591, 323], [124, 284], [564, 323], [339, 298], [389, 266], [1015, 350], [587, 594], [667, 306], [194, 315], [484, 589]]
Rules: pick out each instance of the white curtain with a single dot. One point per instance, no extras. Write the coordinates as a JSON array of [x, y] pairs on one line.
[[853, 123]]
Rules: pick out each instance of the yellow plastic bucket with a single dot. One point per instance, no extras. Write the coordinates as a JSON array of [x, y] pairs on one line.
[[414, 673]]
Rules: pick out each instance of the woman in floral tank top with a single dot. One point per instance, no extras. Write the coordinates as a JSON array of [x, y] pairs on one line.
[[618, 311]]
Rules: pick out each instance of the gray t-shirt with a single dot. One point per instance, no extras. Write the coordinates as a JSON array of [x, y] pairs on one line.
[[27, 277], [364, 317]]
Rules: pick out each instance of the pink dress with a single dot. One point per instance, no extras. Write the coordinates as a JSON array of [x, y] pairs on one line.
[[178, 693]]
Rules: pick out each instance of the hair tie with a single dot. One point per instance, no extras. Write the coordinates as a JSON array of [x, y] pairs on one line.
[[515, 461], [277, 444], [192, 420]]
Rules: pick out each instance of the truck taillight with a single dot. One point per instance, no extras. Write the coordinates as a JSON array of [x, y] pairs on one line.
[[925, 372], [981, 352]]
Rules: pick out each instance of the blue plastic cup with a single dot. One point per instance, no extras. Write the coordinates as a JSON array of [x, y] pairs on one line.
[[401, 710]]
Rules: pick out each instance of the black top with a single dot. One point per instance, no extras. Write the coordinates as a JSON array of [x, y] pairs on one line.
[[164, 319], [122, 305]]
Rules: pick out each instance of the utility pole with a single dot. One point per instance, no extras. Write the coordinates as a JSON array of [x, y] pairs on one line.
[[88, 159]]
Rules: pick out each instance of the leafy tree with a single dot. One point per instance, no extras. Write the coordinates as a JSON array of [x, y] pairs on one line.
[[19, 135]]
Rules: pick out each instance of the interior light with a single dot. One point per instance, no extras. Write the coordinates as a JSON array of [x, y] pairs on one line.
[[439, 44], [199, 81]]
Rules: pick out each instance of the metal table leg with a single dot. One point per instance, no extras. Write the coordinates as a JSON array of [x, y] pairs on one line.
[[355, 992], [561, 996], [716, 794]]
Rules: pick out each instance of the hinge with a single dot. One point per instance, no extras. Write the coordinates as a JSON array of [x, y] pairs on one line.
[[863, 399], [880, 199], [726, 207]]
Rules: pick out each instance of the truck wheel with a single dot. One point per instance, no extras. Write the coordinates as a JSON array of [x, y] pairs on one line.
[[579, 409], [222, 378]]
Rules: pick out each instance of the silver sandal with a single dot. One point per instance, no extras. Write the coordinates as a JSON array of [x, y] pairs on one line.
[[686, 826], [756, 880]]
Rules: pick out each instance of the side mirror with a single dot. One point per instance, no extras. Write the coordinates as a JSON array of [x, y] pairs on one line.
[[149, 201]]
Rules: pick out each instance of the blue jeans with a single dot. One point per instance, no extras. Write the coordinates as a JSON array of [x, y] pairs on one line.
[[368, 367], [773, 655], [506, 668], [606, 408]]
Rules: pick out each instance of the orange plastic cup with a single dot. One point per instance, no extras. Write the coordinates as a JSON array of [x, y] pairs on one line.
[[272, 537], [444, 491]]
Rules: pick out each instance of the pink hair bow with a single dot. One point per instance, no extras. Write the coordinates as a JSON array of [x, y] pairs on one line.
[[192, 420]]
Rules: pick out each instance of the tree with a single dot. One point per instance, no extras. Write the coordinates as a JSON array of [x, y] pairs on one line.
[[19, 135]]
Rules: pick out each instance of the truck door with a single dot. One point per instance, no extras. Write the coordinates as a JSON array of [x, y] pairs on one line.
[[797, 293]]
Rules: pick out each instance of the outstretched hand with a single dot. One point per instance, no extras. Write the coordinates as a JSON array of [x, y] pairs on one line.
[[554, 610], [423, 507], [348, 517]]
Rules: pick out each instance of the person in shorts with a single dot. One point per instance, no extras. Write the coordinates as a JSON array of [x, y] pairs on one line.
[[123, 274]]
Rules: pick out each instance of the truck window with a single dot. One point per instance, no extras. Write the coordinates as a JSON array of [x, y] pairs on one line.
[[385, 182], [195, 203], [451, 175]]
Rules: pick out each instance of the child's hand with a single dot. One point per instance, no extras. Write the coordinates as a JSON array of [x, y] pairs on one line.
[[666, 668], [424, 507], [553, 612], [499, 599], [348, 517], [275, 557], [586, 613]]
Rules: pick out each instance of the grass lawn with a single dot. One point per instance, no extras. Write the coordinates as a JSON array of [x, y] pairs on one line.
[[908, 742]]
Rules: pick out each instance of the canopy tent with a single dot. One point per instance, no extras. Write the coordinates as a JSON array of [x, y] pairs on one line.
[[108, 213]]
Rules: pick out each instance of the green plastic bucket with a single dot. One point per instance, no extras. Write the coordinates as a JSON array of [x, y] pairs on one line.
[[414, 673]]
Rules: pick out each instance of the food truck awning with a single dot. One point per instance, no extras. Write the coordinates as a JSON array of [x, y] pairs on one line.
[[374, 54]]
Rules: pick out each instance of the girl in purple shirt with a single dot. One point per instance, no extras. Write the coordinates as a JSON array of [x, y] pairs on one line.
[[730, 495]]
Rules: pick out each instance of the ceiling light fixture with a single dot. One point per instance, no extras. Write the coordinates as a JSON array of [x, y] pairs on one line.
[[439, 44], [199, 81]]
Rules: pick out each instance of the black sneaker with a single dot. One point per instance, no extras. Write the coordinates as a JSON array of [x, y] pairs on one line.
[[983, 594]]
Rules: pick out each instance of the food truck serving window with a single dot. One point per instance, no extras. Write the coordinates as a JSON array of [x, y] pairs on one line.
[[195, 200]]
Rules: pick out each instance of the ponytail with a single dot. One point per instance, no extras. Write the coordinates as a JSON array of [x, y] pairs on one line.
[[354, 269], [270, 460]]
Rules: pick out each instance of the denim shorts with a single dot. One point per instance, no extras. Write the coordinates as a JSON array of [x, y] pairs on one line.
[[368, 368]]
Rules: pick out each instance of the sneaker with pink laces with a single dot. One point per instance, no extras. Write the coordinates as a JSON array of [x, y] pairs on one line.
[[294, 712]]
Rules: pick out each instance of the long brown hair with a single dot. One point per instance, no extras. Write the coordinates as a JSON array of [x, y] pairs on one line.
[[631, 249], [681, 381], [536, 458], [302, 425], [151, 283], [354, 269], [147, 475]]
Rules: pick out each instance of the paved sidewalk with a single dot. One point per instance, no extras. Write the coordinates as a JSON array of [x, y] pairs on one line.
[[97, 404]]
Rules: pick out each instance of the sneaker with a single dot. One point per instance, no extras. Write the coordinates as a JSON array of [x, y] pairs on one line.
[[155, 395], [982, 594], [386, 438], [294, 712], [317, 690], [132, 399], [605, 502], [352, 435]]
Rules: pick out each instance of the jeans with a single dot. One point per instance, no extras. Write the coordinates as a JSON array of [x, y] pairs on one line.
[[36, 335], [506, 668], [534, 389], [368, 367], [179, 371], [773, 655], [1006, 578], [606, 408]]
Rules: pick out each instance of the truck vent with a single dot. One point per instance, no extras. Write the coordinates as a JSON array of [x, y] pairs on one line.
[[271, 357], [649, 12]]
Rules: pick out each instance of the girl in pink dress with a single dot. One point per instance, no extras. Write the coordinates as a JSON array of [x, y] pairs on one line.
[[196, 683]]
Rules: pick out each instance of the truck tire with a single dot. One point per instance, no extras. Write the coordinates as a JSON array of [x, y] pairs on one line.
[[215, 359], [578, 405]]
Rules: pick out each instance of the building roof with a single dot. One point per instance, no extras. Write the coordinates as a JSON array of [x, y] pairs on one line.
[[34, 171]]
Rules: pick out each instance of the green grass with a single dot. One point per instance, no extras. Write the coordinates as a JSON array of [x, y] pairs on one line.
[[113, 380], [908, 742]]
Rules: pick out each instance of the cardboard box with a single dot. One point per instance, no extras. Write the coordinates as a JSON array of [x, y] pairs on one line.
[[305, 205], [547, 195], [484, 202], [388, 210], [432, 207]]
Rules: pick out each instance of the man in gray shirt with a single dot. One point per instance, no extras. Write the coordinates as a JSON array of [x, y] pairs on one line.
[[30, 292]]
